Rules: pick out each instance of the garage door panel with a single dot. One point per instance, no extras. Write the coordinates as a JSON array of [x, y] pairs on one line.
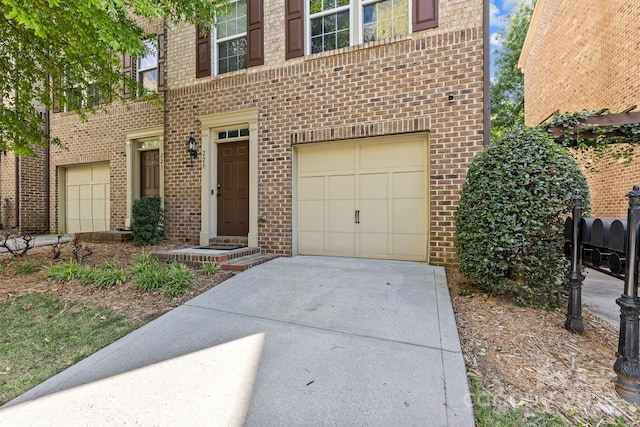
[[312, 242], [408, 185], [342, 216], [409, 246], [374, 245], [311, 188], [341, 187], [312, 215], [327, 160], [374, 186], [389, 156], [408, 217], [342, 243], [373, 216]]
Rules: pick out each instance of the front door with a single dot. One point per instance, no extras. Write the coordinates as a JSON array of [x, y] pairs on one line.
[[233, 189], [149, 173]]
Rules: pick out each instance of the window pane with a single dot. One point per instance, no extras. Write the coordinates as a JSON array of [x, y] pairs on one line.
[[244, 132], [385, 19], [232, 55], [149, 79], [235, 22], [330, 32], [151, 59]]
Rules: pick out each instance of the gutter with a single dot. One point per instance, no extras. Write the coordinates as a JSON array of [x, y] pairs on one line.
[[486, 71]]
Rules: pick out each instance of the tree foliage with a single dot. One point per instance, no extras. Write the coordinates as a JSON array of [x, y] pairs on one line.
[[507, 88], [510, 219], [50, 49]]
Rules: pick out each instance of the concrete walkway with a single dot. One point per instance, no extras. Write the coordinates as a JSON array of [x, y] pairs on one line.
[[295, 341], [599, 294], [38, 240]]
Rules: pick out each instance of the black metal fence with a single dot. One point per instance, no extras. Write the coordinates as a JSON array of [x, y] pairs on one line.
[[610, 246]]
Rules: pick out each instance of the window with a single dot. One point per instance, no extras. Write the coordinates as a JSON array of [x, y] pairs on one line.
[[148, 68], [384, 19], [78, 98], [339, 23], [314, 26], [231, 39], [238, 40]]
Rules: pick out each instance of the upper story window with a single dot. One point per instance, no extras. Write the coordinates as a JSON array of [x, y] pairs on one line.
[[314, 26], [335, 24], [231, 39], [236, 43], [147, 67]]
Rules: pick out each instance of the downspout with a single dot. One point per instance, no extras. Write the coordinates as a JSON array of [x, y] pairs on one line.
[[17, 192], [486, 65], [47, 175]]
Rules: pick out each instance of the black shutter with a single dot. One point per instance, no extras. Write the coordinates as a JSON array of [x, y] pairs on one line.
[[294, 27], [203, 52], [425, 14], [161, 59], [255, 33]]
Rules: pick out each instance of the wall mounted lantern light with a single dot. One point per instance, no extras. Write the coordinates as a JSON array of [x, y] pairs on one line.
[[192, 148]]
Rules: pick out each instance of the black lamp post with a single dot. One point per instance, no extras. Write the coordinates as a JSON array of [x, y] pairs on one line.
[[627, 365]]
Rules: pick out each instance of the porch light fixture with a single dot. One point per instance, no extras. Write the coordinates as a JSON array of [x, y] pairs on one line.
[[192, 148]]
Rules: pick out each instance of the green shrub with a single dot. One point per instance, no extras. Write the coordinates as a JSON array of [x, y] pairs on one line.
[[210, 268], [179, 281], [27, 267], [64, 271], [147, 227], [510, 220], [106, 275], [147, 273]]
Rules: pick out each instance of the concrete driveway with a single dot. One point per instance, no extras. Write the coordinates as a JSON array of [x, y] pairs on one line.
[[295, 341]]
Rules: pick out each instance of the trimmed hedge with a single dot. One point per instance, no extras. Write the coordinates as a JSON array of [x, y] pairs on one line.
[[147, 227], [510, 220]]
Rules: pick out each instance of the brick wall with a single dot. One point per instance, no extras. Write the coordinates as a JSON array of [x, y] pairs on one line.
[[382, 88], [585, 57], [100, 139]]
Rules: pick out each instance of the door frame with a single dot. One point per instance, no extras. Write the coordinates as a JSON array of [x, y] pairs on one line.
[[210, 126], [135, 141]]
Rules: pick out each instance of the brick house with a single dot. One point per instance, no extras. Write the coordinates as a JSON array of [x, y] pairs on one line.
[[319, 128], [585, 58]]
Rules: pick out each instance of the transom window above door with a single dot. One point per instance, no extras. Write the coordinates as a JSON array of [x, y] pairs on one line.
[[334, 24]]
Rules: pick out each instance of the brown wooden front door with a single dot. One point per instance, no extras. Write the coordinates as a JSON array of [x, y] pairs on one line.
[[233, 188], [149, 173]]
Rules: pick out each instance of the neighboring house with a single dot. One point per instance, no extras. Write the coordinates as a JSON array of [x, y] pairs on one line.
[[584, 57], [324, 128]]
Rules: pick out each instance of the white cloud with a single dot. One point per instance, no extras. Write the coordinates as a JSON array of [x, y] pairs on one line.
[[495, 17], [495, 40]]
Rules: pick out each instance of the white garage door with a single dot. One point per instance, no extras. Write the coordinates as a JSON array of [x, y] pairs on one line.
[[87, 198], [364, 199]]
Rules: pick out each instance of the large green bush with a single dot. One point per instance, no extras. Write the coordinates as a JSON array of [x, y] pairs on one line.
[[147, 227], [510, 219]]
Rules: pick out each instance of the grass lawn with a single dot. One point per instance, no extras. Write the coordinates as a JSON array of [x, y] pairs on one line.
[[42, 335]]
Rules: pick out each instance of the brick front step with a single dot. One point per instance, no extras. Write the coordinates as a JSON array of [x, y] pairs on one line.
[[233, 260], [104, 236], [246, 262]]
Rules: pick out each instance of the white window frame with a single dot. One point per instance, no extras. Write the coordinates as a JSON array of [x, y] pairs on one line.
[[217, 41], [140, 69], [356, 14]]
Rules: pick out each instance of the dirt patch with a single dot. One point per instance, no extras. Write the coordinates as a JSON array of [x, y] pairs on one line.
[[526, 359], [123, 299]]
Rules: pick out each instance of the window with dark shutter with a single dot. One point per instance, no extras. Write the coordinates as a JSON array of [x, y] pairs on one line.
[[425, 14], [203, 52], [255, 33], [294, 27]]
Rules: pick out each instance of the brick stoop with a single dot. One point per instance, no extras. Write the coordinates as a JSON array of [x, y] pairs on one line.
[[233, 260], [246, 262]]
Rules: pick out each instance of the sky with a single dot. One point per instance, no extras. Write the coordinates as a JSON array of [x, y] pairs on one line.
[[498, 9]]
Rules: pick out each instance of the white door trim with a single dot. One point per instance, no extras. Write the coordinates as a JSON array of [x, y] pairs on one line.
[[210, 125]]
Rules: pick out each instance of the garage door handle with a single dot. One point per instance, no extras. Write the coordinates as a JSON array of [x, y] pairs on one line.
[[357, 217]]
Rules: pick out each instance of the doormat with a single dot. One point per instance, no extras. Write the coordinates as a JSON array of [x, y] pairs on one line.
[[220, 248]]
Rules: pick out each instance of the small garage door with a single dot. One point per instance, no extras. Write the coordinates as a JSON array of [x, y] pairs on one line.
[[364, 199], [87, 198]]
